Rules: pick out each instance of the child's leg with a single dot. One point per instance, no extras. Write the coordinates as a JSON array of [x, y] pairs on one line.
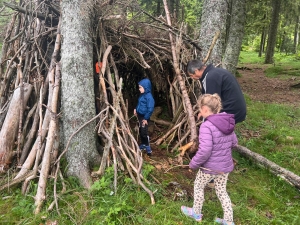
[[144, 135], [143, 132], [143, 129], [201, 180], [220, 186]]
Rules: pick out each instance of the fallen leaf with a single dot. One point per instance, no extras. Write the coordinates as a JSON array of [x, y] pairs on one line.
[[269, 215]]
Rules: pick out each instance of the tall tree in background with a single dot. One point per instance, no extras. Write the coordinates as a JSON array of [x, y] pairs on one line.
[[262, 38], [296, 22], [213, 20], [284, 37], [256, 25], [235, 35], [273, 31], [296, 34], [78, 88], [191, 15], [288, 23]]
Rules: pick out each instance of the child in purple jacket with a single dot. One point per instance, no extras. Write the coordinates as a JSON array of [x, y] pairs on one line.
[[213, 158]]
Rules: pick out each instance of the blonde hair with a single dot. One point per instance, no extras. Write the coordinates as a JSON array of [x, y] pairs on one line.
[[211, 101]]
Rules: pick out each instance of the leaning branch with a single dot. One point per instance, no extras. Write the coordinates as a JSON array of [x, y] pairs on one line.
[[211, 46], [25, 11]]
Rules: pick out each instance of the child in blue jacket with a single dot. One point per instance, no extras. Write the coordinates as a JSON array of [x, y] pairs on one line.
[[143, 111]]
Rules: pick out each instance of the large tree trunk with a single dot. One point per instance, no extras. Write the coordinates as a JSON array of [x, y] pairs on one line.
[[296, 35], [273, 31], [77, 101], [236, 34], [287, 175], [213, 20], [284, 39], [10, 126]]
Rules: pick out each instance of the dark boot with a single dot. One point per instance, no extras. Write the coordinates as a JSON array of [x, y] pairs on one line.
[[148, 150]]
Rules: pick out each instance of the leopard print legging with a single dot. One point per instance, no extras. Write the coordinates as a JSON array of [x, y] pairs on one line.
[[220, 181]]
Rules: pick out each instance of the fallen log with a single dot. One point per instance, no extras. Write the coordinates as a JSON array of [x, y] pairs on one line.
[[295, 85], [154, 117], [285, 174]]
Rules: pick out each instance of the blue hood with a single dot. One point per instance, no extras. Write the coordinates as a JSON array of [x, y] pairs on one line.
[[146, 102], [146, 84]]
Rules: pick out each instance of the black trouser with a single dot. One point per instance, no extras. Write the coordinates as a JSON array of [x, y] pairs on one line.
[[143, 129]]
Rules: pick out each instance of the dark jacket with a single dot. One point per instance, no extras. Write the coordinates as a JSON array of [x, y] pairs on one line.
[[222, 82], [216, 139], [146, 102]]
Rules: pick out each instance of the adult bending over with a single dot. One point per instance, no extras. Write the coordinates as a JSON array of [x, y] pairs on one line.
[[222, 82]]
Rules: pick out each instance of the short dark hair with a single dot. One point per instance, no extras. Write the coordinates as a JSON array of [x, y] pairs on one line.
[[194, 65]]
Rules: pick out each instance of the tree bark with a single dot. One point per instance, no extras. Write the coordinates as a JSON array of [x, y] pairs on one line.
[[213, 19], [262, 39], [296, 35], [236, 34], [10, 126], [77, 89], [287, 175], [272, 35]]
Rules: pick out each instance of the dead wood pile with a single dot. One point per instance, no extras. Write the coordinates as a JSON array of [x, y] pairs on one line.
[[30, 77]]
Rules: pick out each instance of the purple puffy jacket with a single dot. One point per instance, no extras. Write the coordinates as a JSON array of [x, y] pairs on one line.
[[216, 139]]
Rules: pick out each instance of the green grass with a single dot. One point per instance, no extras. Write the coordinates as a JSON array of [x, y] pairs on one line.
[[250, 57], [275, 133], [262, 198], [284, 65], [290, 70], [247, 57], [258, 197]]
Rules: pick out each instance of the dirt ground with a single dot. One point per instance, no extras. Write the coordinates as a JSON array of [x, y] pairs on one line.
[[254, 84], [269, 90]]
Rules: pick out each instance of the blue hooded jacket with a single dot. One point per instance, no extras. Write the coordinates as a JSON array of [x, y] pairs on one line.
[[146, 102]]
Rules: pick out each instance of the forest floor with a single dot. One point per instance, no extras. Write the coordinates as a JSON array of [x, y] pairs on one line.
[[258, 87], [268, 89], [176, 182]]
